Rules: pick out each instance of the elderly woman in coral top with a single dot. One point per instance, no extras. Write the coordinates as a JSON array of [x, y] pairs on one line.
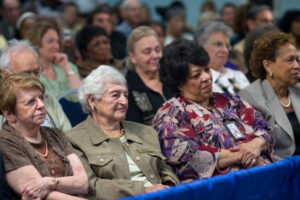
[[203, 133], [39, 161]]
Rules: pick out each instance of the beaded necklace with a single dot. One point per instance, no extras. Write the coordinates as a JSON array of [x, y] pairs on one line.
[[46, 152], [122, 131], [52, 171]]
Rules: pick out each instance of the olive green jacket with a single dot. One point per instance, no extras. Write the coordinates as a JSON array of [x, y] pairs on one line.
[[105, 161]]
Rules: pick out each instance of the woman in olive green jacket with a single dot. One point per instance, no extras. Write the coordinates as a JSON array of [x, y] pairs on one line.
[[121, 158]]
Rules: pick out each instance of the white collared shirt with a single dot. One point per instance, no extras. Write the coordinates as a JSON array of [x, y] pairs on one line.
[[225, 81]]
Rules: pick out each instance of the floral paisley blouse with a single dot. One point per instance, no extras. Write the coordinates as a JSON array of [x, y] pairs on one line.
[[192, 136]]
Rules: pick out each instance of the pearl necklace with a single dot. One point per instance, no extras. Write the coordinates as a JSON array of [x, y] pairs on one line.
[[286, 105]]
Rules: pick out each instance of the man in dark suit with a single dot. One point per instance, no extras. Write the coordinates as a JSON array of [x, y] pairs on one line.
[[11, 11]]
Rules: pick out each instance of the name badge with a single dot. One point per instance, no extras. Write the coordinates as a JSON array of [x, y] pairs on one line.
[[234, 131]]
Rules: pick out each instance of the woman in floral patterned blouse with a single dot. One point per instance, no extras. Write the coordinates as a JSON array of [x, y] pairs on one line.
[[203, 133]]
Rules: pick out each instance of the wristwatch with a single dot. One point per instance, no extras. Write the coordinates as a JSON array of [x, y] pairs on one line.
[[70, 73]]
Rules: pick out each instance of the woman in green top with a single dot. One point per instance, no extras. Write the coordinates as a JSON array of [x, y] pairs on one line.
[[58, 75]]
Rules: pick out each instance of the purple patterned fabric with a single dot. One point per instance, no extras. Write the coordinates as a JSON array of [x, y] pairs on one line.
[[191, 136]]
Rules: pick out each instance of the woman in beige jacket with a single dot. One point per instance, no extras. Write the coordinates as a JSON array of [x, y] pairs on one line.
[[121, 158]]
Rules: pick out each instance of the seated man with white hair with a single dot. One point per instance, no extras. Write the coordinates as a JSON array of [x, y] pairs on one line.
[[19, 57]]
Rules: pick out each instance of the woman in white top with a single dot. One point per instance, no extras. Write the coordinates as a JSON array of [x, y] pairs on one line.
[[214, 37]]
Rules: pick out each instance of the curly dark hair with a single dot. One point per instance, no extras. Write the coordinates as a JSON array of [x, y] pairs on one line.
[[87, 34], [266, 48], [174, 65], [287, 19]]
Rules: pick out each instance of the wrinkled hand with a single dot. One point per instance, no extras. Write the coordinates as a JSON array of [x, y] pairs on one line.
[[38, 188], [61, 60], [237, 155], [155, 188], [261, 161], [250, 153]]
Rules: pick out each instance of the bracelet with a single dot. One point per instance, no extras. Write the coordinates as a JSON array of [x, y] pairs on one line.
[[56, 182], [222, 171], [70, 73]]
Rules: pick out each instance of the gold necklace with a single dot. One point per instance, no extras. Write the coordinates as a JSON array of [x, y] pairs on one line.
[[122, 131]]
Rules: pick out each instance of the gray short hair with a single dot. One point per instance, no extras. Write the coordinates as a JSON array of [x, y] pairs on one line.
[[95, 84], [125, 3], [204, 31], [13, 48]]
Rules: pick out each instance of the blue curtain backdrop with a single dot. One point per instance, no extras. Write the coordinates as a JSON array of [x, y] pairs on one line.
[[276, 181]]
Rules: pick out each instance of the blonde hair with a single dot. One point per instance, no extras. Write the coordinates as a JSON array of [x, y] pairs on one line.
[[10, 85], [137, 34], [36, 33]]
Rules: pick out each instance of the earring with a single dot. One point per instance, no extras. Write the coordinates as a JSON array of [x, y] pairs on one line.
[[13, 121], [271, 75], [94, 107]]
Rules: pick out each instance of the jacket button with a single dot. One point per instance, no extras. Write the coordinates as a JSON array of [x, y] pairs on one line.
[[137, 158], [101, 160], [152, 176]]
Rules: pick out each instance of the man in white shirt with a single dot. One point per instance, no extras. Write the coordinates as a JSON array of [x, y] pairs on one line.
[[19, 57]]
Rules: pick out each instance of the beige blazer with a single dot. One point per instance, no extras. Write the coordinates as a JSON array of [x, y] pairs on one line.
[[262, 97]]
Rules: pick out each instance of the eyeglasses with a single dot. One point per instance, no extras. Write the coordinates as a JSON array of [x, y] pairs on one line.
[[32, 101], [35, 72], [219, 44]]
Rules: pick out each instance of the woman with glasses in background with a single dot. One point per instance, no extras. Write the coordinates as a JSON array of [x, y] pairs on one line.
[[19, 57], [214, 37]]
